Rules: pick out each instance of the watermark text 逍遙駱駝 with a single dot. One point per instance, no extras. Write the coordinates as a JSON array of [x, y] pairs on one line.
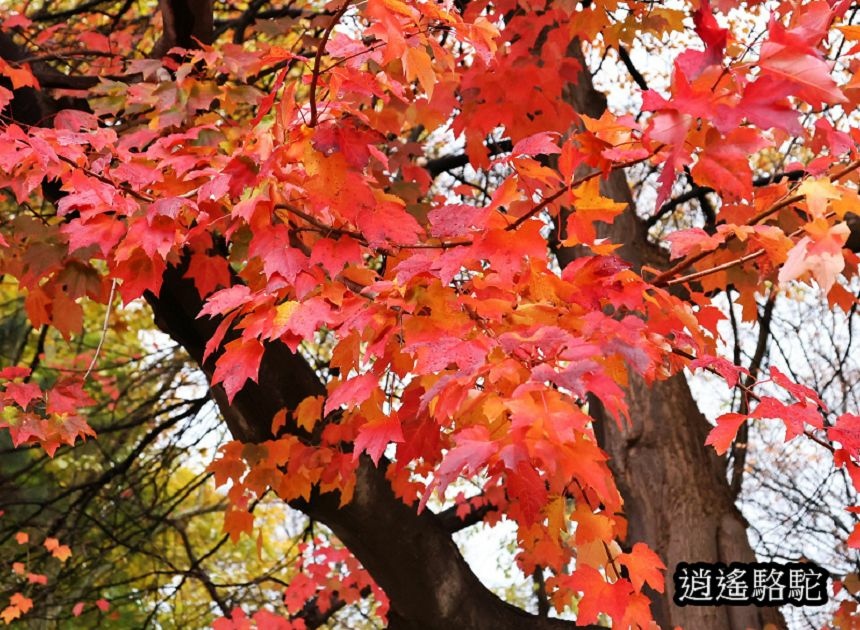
[[742, 584]]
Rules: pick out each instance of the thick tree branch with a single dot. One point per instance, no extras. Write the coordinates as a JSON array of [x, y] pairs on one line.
[[411, 556], [313, 615], [56, 16], [445, 163], [452, 522], [186, 22], [634, 72]]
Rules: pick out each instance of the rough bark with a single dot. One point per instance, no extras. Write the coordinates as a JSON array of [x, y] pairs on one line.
[[186, 22], [676, 494], [411, 556]]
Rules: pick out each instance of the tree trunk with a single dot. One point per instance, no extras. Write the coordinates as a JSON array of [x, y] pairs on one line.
[[676, 497], [676, 494], [412, 557]]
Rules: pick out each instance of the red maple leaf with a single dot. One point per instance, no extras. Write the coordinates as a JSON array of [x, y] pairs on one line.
[[598, 595], [239, 362], [722, 435]]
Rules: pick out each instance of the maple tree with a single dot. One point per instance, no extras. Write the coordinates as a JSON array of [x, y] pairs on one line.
[[407, 243]]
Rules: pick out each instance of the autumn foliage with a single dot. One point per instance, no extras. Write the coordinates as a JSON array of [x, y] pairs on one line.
[[296, 176]]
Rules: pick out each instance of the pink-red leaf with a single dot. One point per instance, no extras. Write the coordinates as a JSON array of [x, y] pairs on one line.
[[722, 435], [240, 362]]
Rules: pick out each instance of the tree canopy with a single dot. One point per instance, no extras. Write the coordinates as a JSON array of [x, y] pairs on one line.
[[413, 268]]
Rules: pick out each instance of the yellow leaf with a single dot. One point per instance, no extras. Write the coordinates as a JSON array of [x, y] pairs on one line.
[[283, 312], [419, 66], [555, 513], [309, 412], [818, 192], [850, 32], [398, 7], [849, 201], [590, 206]]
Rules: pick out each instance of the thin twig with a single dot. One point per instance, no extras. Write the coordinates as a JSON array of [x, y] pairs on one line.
[[576, 182], [664, 279], [104, 330], [318, 61]]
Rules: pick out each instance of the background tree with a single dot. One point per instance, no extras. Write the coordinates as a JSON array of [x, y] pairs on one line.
[[399, 241]]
